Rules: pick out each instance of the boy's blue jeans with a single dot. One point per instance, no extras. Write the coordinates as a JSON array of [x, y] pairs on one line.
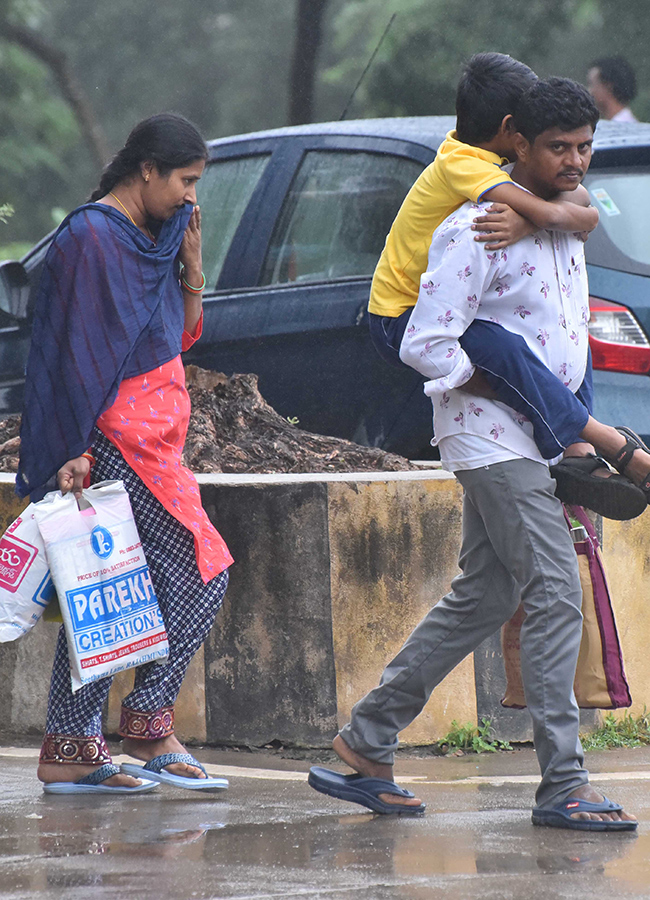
[[519, 378]]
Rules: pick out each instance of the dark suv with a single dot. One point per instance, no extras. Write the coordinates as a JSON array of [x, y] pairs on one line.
[[294, 221]]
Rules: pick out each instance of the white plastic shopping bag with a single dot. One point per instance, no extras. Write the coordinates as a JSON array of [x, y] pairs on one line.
[[100, 573], [25, 584]]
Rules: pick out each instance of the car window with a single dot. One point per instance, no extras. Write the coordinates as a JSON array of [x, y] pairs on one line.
[[623, 201], [223, 194], [336, 215]]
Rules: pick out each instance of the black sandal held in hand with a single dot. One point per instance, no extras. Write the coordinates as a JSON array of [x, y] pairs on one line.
[[612, 496], [622, 459]]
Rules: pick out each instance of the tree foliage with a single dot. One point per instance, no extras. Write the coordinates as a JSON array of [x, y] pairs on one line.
[[223, 64], [37, 138], [417, 70], [227, 65]]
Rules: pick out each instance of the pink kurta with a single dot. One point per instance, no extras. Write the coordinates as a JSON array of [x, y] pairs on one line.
[[148, 424]]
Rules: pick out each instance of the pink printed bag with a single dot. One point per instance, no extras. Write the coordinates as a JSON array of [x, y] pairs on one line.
[[25, 584]]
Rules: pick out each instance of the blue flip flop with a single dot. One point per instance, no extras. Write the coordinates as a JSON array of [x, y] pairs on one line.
[[362, 790], [92, 784], [154, 770], [559, 816]]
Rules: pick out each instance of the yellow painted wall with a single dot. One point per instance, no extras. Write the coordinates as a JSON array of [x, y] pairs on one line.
[[11, 506], [380, 590], [378, 595], [626, 551]]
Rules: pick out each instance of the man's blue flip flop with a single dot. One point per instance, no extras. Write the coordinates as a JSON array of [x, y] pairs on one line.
[[154, 769], [362, 790], [559, 816], [92, 784]]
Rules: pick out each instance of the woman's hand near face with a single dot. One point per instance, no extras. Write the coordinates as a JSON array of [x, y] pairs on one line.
[[190, 252], [71, 476], [190, 256]]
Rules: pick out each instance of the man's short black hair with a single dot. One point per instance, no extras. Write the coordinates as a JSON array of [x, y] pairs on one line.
[[489, 89], [555, 103], [618, 75]]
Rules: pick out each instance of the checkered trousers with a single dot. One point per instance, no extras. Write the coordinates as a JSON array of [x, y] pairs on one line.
[[187, 604]]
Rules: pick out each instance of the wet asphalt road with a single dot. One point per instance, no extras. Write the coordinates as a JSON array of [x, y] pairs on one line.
[[271, 836]]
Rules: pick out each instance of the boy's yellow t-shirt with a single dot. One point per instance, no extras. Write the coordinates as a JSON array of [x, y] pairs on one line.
[[459, 172]]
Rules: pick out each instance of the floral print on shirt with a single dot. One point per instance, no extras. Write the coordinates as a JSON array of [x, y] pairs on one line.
[[536, 289]]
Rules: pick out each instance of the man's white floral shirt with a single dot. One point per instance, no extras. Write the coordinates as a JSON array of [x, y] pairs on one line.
[[536, 288]]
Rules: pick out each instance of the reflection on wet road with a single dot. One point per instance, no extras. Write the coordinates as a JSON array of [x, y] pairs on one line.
[[271, 836]]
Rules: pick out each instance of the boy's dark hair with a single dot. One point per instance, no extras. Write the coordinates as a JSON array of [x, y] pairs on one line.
[[555, 103], [489, 89], [618, 75], [168, 140]]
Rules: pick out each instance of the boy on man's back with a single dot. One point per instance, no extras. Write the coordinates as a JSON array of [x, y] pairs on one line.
[[467, 166]]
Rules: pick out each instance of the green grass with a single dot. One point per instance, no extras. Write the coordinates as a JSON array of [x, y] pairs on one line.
[[630, 731], [626, 732], [471, 739]]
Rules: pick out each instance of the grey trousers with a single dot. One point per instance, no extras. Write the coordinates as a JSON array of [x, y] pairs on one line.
[[516, 545]]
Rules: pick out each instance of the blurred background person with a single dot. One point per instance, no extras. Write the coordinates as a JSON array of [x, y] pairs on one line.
[[612, 83]]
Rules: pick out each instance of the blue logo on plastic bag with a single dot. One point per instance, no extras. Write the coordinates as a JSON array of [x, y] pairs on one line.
[[116, 609], [44, 592], [101, 541]]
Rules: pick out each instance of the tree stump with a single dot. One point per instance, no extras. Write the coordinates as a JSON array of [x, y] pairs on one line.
[[233, 429]]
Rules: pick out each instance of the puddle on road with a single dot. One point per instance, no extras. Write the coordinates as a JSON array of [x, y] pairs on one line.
[[69, 847]]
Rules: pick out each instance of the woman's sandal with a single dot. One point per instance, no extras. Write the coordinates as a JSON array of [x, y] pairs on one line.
[[92, 784], [622, 459], [155, 770]]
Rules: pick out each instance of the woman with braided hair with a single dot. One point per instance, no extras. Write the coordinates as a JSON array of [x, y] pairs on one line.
[[119, 299]]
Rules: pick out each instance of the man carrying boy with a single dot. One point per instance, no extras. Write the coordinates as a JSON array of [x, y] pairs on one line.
[[467, 167], [515, 541]]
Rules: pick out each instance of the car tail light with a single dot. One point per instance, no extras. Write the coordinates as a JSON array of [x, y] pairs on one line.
[[618, 343]]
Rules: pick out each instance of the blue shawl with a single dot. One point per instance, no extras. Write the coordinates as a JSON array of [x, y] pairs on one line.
[[109, 306]]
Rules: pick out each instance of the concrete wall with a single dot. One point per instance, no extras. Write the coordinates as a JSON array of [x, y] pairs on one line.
[[627, 561], [331, 575]]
